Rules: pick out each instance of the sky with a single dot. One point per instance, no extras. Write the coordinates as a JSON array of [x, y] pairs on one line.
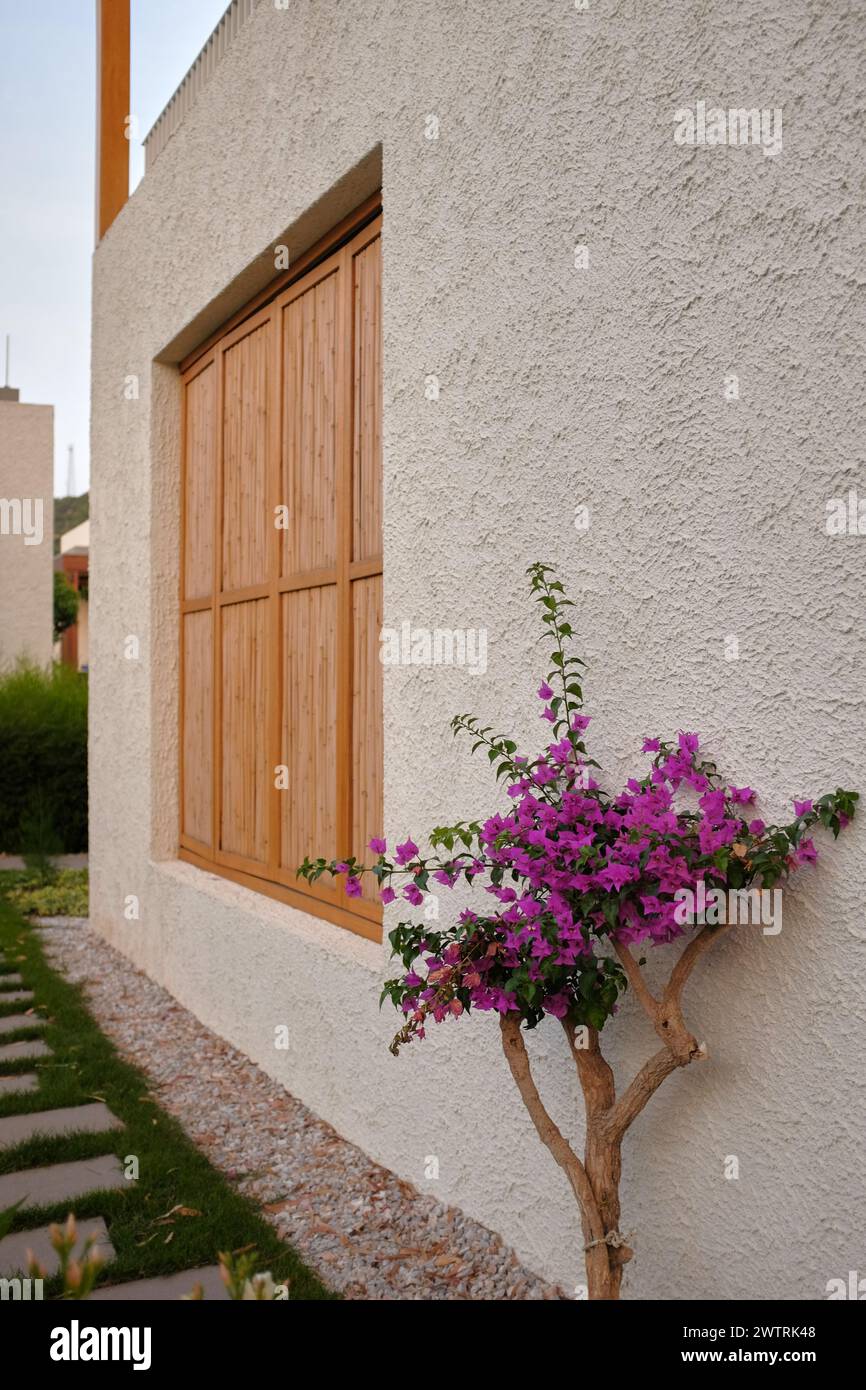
[[47, 201]]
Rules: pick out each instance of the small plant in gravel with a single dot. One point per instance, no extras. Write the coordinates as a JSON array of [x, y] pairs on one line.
[[583, 880]]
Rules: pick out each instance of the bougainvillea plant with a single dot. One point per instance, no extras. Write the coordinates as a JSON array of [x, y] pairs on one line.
[[579, 883]]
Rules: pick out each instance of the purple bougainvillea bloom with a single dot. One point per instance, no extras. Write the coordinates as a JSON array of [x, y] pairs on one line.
[[544, 691], [650, 745], [806, 852], [802, 808], [579, 722], [689, 743], [387, 895], [413, 895], [742, 795], [756, 827], [406, 852], [377, 845], [713, 805], [549, 715], [353, 888], [556, 1004], [341, 868]]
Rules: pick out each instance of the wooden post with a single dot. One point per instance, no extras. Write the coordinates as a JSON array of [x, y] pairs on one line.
[[112, 111]]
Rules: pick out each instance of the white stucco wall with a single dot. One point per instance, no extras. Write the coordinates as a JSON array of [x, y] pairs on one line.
[[559, 386], [26, 575]]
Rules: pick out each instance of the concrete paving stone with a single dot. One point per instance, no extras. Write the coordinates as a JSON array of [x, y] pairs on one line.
[[13, 1250], [167, 1289], [9, 979], [71, 1119], [13, 1022], [31, 1047], [16, 996], [61, 1182], [50, 922], [16, 1085]]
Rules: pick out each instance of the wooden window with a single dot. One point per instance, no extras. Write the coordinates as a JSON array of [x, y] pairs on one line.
[[281, 582]]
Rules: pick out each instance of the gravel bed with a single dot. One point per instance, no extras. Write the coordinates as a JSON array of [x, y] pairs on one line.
[[365, 1232]]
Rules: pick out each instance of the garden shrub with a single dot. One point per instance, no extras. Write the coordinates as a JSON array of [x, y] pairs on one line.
[[43, 757]]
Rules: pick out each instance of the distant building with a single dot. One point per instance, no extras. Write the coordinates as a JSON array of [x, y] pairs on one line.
[[26, 530], [73, 561]]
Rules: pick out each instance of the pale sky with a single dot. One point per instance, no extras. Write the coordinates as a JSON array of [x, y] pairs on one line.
[[47, 140]]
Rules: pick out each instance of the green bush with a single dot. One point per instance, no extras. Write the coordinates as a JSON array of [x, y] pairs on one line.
[[66, 602], [43, 757], [65, 894]]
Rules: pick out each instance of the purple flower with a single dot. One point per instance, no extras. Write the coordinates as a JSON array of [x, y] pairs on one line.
[[650, 745], [806, 852], [802, 808], [413, 895], [387, 895], [756, 827], [556, 1004], [353, 888], [549, 716], [544, 691], [742, 795], [377, 845], [406, 852], [689, 743], [580, 721]]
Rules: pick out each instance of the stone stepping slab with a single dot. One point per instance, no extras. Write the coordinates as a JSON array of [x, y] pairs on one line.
[[169, 1288], [12, 1023], [50, 922], [15, 1085], [9, 979], [71, 1119], [61, 1182], [16, 996], [31, 1047], [13, 1250]]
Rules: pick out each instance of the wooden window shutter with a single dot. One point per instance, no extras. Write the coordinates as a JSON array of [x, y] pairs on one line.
[[281, 583]]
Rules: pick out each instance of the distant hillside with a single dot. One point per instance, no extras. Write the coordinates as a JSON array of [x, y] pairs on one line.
[[69, 512]]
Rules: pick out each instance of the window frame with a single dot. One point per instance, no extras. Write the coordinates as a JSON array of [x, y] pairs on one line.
[[336, 250]]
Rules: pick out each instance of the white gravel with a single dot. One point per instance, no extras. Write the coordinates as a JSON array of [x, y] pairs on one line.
[[362, 1229]]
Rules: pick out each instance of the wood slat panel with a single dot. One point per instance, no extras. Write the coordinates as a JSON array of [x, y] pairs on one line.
[[309, 427], [246, 517], [245, 771], [367, 728], [308, 805], [200, 483], [367, 442], [197, 749], [282, 666]]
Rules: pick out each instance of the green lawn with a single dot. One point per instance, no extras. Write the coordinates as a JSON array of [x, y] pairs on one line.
[[84, 1067]]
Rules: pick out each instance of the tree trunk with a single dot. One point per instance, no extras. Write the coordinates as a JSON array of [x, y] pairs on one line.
[[595, 1181], [603, 1163]]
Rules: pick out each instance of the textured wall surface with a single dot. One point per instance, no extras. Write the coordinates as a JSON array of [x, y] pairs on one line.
[[559, 386], [26, 569]]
